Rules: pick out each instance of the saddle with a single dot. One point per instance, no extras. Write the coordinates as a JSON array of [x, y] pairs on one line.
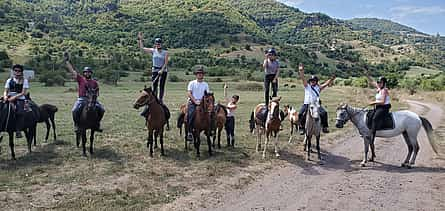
[[387, 122]]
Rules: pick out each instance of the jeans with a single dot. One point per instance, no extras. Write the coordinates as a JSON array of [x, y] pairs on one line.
[[267, 82], [323, 115], [161, 80], [78, 105], [19, 114], [230, 129], [190, 116]]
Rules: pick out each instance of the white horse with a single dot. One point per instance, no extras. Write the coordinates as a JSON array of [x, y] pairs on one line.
[[313, 127], [406, 123], [292, 114]]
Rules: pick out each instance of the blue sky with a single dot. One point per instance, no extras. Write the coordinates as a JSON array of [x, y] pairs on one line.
[[424, 15]]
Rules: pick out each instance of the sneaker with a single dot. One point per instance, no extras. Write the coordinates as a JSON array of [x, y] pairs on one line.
[[325, 130], [190, 137], [18, 134]]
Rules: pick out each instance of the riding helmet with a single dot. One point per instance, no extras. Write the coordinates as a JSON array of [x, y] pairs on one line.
[[271, 51], [87, 69], [158, 40], [312, 78]]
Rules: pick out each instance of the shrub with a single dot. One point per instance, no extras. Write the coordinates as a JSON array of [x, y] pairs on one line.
[[360, 82], [174, 78]]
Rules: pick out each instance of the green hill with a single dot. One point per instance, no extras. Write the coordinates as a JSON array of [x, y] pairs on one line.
[[381, 25]]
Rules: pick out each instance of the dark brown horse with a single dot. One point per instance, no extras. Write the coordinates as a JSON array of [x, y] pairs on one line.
[[8, 124], [89, 120], [47, 115], [156, 118], [202, 121], [219, 123]]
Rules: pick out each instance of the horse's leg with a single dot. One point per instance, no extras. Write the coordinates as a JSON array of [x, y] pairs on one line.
[[291, 131], [11, 144], [34, 138], [155, 141], [150, 142], [84, 141], [318, 147], [185, 137], [277, 149], [48, 128], [415, 144], [197, 143], [78, 136], [308, 142], [410, 149], [51, 117], [91, 141], [257, 140], [366, 145], [265, 145], [161, 140], [372, 151], [209, 142], [305, 143], [29, 138], [219, 138]]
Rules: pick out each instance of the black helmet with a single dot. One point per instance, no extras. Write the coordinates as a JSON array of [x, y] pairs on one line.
[[382, 80], [199, 69], [158, 40], [87, 69], [312, 78], [271, 51]]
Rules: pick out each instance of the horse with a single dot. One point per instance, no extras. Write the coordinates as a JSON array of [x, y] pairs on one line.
[[266, 125], [220, 121], [47, 115], [8, 124], [156, 118], [405, 122], [89, 119], [293, 119], [313, 127], [202, 122]]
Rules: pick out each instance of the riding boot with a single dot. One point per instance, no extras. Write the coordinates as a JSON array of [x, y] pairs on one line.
[[233, 141], [99, 118], [76, 121]]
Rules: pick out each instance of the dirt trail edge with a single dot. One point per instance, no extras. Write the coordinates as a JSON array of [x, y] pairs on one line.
[[341, 184]]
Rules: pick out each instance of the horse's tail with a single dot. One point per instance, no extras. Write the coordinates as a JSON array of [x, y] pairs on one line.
[[180, 122], [429, 132], [252, 122]]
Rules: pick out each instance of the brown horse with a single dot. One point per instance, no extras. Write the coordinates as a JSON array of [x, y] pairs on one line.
[[47, 115], [89, 120], [267, 125], [220, 121], [202, 122], [156, 118], [292, 114]]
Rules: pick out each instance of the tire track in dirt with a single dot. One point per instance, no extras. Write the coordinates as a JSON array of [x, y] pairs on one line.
[[341, 184]]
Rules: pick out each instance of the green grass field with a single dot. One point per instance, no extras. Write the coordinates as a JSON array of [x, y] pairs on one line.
[[120, 173]]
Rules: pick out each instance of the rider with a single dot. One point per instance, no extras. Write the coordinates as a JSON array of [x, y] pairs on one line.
[[159, 65], [312, 91], [195, 93], [84, 82], [15, 91], [272, 72], [382, 103]]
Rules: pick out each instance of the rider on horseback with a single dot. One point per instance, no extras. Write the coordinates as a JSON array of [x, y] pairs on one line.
[[84, 82], [195, 92], [312, 91], [15, 91], [382, 104]]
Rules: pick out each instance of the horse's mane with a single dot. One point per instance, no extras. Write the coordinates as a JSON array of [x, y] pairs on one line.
[[219, 105], [149, 90]]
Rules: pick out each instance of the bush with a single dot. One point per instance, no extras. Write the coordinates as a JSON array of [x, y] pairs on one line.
[[50, 78], [360, 82], [174, 78]]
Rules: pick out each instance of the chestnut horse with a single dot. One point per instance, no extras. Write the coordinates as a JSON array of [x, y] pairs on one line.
[[202, 121], [220, 121], [156, 118], [267, 125]]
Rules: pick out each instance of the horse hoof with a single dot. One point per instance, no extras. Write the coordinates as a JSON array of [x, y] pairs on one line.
[[277, 155], [362, 164]]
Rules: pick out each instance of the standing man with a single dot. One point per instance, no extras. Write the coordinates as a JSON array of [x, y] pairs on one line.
[[272, 72], [84, 82], [195, 92]]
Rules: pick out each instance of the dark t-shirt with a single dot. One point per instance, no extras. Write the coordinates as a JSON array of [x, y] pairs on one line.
[[84, 83]]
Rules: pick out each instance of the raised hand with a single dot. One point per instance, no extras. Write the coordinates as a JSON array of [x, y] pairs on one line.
[[66, 57], [140, 37], [300, 67]]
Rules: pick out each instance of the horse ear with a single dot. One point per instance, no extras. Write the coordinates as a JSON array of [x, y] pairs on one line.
[[145, 86], [205, 92]]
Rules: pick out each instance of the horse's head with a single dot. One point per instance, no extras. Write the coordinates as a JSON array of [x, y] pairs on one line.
[[314, 108], [274, 107], [208, 101], [342, 115], [147, 97], [91, 97]]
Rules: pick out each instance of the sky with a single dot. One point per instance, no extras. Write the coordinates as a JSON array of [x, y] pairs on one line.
[[427, 16]]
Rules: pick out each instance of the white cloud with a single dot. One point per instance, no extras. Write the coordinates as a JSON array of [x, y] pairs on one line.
[[404, 11], [293, 3]]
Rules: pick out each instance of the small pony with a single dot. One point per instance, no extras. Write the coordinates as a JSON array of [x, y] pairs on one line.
[[292, 114]]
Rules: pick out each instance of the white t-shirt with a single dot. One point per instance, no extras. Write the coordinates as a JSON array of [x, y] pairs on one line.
[[309, 94], [25, 86], [231, 107], [197, 89]]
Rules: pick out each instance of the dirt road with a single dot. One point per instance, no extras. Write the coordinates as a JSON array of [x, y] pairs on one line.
[[341, 184]]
